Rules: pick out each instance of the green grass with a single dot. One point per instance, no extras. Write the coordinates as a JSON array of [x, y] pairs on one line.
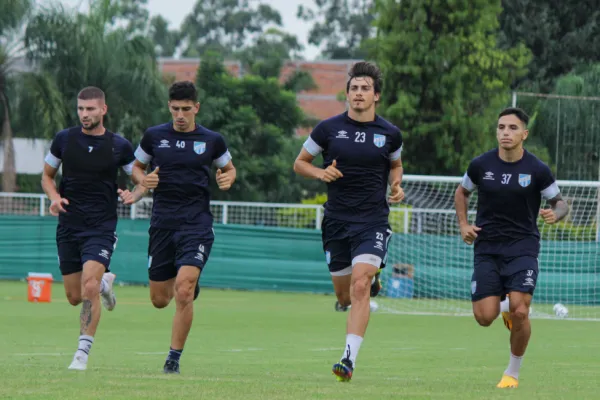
[[248, 345]]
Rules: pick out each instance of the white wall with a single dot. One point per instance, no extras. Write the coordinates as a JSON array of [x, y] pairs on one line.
[[29, 155]]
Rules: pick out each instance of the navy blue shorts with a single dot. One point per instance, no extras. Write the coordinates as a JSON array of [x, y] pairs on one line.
[[496, 275], [347, 243], [76, 247], [168, 250]]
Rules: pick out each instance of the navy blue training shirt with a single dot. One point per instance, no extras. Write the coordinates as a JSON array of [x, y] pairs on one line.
[[89, 171], [508, 204], [363, 152], [182, 198]]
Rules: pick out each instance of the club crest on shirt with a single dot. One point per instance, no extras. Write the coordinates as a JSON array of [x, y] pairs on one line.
[[199, 147], [524, 180], [379, 140]]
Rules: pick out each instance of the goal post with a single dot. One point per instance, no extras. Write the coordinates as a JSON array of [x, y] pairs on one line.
[[429, 268]]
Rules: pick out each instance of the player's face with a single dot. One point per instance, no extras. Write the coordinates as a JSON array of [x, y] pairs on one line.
[[91, 112], [510, 132], [184, 114], [361, 94]]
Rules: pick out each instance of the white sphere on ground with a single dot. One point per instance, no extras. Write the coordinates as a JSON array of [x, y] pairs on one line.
[[560, 310]]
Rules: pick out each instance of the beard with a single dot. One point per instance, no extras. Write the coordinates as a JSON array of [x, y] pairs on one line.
[[92, 125]]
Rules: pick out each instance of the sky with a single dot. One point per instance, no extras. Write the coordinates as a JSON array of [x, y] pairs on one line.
[[176, 14]]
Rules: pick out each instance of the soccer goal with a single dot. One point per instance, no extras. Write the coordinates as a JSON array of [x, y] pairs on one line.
[[429, 267]]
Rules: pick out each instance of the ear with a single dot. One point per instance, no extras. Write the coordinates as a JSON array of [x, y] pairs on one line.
[[377, 96], [525, 134]]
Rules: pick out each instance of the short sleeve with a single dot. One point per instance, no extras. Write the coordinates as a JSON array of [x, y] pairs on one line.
[[316, 141], [471, 179], [547, 184], [54, 156], [221, 154], [396, 149], [127, 157], [144, 153]]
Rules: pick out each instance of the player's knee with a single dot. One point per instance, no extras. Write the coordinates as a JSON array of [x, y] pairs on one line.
[[74, 298], [184, 291], [159, 301], [519, 314], [360, 287], [91, 288], [484, 318]]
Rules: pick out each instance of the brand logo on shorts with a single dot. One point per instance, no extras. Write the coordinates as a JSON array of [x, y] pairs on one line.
[[524, 180], [328, 257], [201, 249], [473, 287], [528, 282], [104, 253], [379, 140], [199, 147]]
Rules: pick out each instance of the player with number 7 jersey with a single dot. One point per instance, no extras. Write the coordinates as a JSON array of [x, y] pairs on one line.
[[361, 155], [181, 155]]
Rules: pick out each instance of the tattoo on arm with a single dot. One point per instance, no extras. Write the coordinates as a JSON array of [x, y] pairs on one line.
[[85, 317], [559, 206]]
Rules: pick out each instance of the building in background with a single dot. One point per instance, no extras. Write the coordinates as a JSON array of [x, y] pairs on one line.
[[330, 76]]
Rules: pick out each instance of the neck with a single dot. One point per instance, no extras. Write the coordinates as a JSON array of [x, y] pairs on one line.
[[189, 128], [362, 116], [97, 131], [511, 155]]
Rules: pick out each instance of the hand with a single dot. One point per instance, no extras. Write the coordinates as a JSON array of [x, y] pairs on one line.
[[56, 206], [151, 180], [469, 233], [548, 215], [331, 173], [224, 179], [397, 194], [127, 197]]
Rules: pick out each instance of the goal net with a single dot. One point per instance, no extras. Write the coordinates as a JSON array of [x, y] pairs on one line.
[[429, 268]]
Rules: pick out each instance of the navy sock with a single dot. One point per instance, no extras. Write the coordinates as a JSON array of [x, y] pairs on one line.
[[174, 354]]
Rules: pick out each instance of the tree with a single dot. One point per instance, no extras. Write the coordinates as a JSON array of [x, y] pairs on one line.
[[341, 26], [224, 26], [560, 35], [445, 78], [80, 50], [258, 119]]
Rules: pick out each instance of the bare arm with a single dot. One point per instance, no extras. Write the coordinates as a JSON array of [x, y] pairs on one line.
[[303, 166], [461, 204], [226, 176], [559, 206], [137, 173], [559, 209], [48, 183], [396, 172]]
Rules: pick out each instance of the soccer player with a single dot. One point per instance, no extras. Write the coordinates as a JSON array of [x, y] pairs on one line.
[[510, 183], [181, 154], [361, 155], [86, 206]]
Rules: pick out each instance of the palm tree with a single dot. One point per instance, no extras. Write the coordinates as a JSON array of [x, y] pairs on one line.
[[80, 50], [12, 16]]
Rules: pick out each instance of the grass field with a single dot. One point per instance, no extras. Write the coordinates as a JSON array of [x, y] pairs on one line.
[[248, 345]]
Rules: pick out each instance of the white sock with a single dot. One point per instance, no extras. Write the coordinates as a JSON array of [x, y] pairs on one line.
[[103, 286], [85, 345], [353, 343], [505, 306], [514, 366]]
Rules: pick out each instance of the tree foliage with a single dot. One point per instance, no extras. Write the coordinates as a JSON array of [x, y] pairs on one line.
[[258, 119], [445, 78]]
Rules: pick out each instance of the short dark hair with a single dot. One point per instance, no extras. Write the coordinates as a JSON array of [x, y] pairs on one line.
[[91, 93], [366, 69], [519, 113], [183, 90]]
